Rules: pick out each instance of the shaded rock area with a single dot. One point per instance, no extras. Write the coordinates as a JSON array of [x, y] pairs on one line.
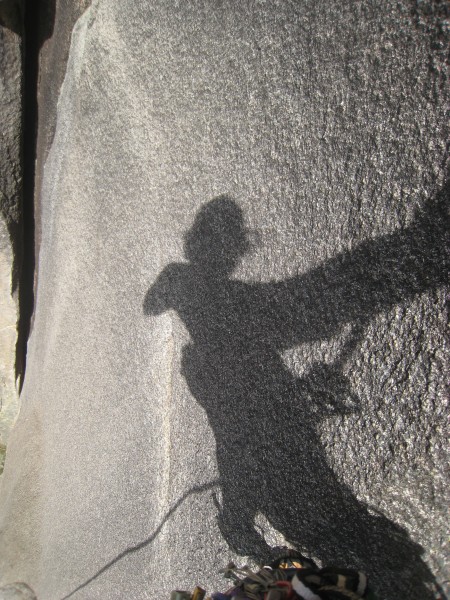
[[11, 174], [240, 319]]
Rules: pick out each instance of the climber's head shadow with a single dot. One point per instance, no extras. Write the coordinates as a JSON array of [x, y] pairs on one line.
[[217, 239]]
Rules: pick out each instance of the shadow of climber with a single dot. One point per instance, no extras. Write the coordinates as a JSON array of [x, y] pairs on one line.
[[266, 420]]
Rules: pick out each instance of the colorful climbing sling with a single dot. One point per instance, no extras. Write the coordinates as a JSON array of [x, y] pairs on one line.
[[292, 577]]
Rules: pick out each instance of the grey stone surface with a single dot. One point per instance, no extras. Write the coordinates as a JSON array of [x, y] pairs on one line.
[[16, 591], [239, 333], [57, 18], [10, 208]]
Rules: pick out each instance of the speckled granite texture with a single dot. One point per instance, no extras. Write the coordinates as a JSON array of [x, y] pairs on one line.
[[11, 174], [239, 329]]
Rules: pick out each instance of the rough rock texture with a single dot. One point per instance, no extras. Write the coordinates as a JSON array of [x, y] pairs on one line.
[[239, 334], [56, 21], [16, 591], [10, 207]]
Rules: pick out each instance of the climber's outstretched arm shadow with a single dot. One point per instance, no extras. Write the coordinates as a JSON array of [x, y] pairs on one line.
[[354, 286]]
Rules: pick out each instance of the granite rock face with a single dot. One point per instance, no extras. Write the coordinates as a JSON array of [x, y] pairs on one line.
[[239, 330], [16, 591], [10, 208]]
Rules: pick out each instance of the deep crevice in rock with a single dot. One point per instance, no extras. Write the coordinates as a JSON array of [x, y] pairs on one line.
[[38, 26]]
